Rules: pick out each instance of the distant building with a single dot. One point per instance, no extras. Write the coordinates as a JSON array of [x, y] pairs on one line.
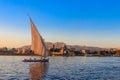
[[24, 51], [83, 51], [59, 51], [19, 51]]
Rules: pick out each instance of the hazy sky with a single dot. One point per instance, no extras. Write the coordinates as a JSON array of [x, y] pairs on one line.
[[79, 22]]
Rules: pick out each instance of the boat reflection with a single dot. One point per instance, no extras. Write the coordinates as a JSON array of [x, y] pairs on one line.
[[38, 70]]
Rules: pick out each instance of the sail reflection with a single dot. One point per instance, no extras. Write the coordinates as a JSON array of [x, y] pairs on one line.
[[38, 70]]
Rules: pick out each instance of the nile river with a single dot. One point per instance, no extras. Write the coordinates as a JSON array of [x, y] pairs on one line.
[[60, 68]]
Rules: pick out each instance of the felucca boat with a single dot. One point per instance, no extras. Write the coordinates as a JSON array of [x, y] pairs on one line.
[[38, 45]]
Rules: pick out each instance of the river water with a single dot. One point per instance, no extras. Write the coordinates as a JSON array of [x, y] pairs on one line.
[[60, 68]]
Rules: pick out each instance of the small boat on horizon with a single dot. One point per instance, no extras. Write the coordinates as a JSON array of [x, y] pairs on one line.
[[38, 45]]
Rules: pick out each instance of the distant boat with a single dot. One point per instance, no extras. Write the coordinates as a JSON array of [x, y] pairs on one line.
[[38, 45]]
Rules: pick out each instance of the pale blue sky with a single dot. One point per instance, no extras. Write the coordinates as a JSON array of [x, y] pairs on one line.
[[78, 22]]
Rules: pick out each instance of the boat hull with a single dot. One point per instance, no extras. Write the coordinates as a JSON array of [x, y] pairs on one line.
[[30, 60]]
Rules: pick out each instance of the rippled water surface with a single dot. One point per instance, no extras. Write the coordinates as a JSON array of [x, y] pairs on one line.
[[60, 68]]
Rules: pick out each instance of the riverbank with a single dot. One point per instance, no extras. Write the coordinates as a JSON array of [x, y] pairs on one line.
[[12, 53]]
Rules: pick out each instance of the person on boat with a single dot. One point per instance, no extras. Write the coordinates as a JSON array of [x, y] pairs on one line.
[[25, 60], [30, 59], [34, 58]]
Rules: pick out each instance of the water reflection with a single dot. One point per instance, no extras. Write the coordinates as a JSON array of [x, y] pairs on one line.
[[38, 70]]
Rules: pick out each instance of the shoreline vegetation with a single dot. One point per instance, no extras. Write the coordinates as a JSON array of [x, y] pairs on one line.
[[70, 53], [62, 51]]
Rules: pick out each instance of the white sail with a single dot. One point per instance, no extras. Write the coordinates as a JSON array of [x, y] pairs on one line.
[[38, 45]]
